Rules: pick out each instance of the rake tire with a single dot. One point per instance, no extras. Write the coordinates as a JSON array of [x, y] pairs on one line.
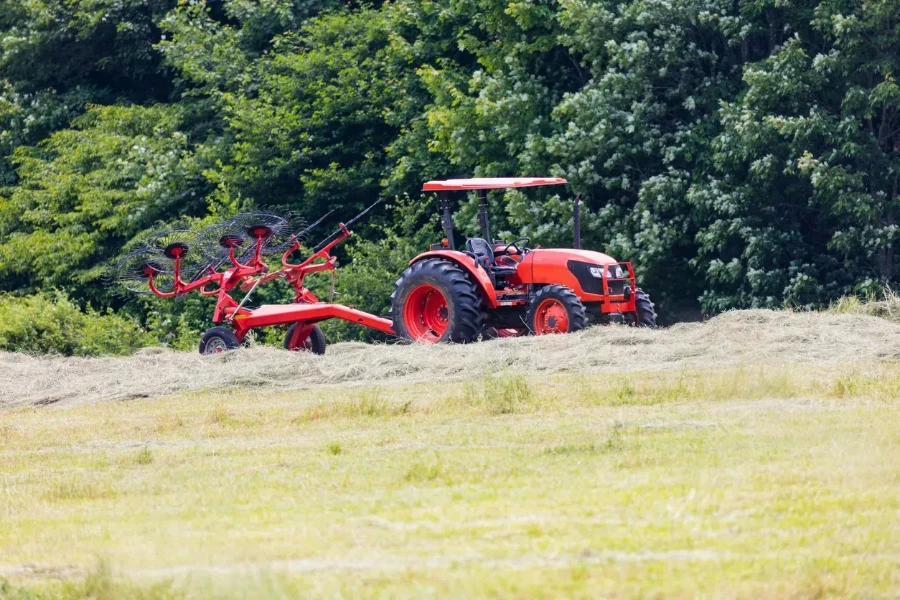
[[218, 340], [316, 340]]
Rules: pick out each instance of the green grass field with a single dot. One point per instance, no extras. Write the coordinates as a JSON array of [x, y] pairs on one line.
[[729, 482]]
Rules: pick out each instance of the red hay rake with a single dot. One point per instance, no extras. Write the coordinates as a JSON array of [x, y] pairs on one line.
[[230, 254]]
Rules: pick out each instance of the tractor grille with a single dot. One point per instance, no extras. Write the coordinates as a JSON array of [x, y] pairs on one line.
[[594, 285], [616, 287], [582, 272]]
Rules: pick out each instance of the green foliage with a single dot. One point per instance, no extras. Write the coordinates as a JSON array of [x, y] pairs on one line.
[[803, 201], [176, 324], [103, 44], [56, 57], [46, 323], [313, 133]]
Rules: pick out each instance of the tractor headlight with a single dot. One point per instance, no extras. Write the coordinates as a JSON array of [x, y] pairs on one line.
[[615, 272]]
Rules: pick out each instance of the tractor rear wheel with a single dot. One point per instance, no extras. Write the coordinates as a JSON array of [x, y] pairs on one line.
[[218, 340], [645, 313], [555, 309], [436, 301], [314, 343]]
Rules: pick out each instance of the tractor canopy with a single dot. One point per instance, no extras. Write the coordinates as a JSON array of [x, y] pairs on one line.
[[489, 183], [482, 185]]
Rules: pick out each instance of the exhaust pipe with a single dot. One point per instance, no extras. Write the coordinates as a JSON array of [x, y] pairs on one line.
[[577, 218]]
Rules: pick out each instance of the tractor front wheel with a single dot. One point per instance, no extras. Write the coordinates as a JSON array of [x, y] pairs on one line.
[[555, 309], [314, 342], [436, 301], [645, 311], [218, 340]]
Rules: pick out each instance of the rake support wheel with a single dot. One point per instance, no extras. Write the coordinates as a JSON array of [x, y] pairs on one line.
[[218, 340], [555, 309], [436, 301], [314, 343]]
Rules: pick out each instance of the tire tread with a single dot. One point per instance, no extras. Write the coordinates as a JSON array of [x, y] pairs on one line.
[[645, 313], [316, 336], [229, 337]]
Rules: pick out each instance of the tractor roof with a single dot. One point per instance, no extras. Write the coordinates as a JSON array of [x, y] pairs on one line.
[[489, 183]]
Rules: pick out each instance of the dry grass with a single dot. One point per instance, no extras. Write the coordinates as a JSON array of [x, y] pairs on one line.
[[739, 481], [885, 307], [761, 337]]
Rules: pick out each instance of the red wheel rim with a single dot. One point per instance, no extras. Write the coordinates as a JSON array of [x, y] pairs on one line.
[[551, 316], [426, 313]]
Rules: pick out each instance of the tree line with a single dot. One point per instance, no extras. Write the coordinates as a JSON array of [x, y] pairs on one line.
[[742, 153]]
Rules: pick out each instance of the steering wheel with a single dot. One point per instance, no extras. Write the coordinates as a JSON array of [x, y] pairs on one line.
[[515, 244]]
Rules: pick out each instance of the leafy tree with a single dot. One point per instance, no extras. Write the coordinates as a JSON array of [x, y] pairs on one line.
[[313, 135], [103, 45], [802, 203], [56, 57]]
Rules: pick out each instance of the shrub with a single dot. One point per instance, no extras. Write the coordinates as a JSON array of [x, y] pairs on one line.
[[51, 323]]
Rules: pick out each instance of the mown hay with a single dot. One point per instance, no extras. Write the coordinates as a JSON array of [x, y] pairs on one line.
[[755, 336]]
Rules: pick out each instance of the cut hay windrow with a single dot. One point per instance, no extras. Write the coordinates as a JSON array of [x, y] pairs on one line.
[[754, 336]]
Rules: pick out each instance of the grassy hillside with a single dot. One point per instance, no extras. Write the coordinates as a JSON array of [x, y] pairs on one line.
[[753, 456]]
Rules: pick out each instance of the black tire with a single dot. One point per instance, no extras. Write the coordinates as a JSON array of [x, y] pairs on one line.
[[315, 343], [645, 315], [218, 340], [464, 313], [575, 312]]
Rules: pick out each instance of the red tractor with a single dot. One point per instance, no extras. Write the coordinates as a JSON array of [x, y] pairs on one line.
[[494, 288]]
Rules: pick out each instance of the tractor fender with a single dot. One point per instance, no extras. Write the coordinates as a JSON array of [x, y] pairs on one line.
[[467, 263]]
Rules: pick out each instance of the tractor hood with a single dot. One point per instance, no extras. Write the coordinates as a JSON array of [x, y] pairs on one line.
[[565, 266], [563, 255]]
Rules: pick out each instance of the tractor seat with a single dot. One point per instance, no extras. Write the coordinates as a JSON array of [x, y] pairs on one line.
[[484, 255]]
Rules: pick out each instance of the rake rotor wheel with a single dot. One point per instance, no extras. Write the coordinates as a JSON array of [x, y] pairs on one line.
[[200, 252], [156, 256], [273, 230], [132, 271], [242, 233]]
